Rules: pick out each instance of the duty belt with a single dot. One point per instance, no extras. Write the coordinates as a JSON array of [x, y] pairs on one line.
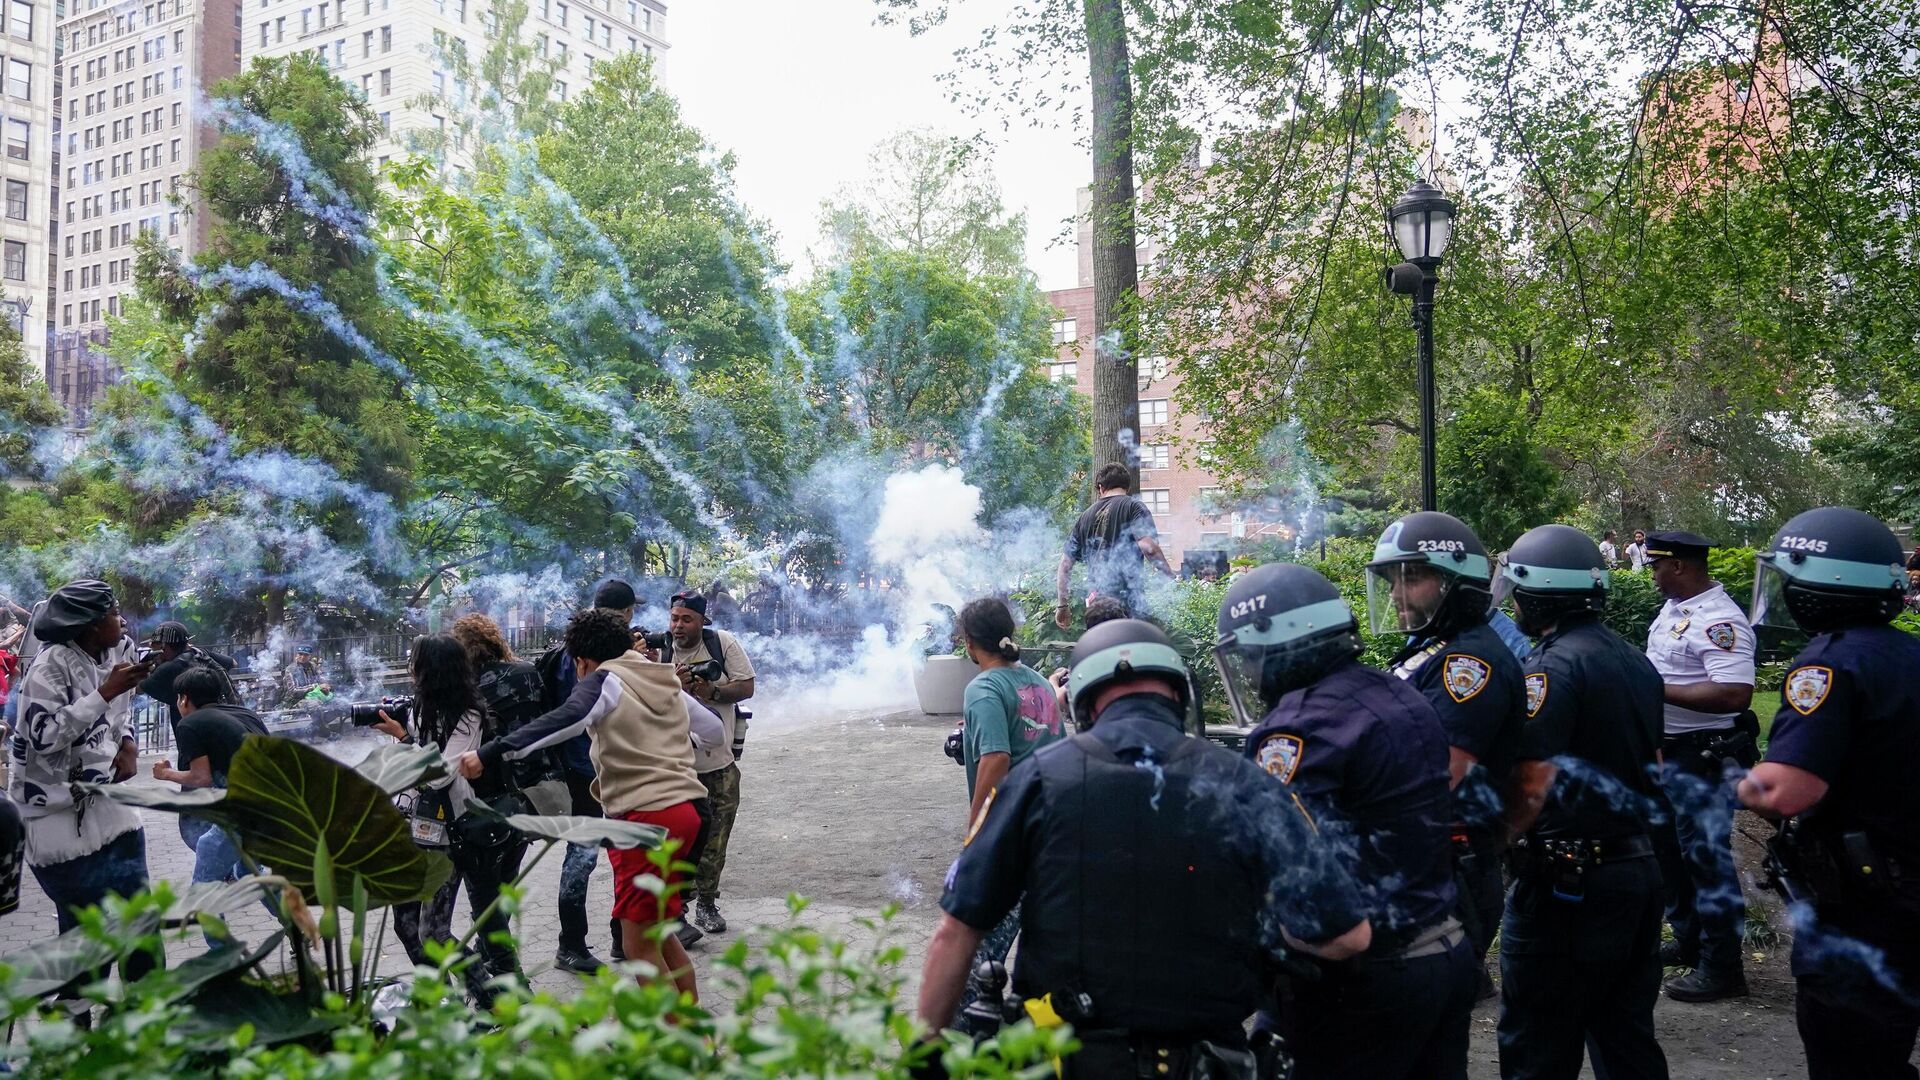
[[1562, 864], [1435, 940]]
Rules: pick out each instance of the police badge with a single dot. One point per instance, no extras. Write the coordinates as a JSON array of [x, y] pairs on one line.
[[1723, 635], [1465, 676], [1280, 756], [1807, 687], [1536, 692]]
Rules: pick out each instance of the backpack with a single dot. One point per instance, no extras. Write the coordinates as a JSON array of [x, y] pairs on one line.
[[550, 664], [196, 658]]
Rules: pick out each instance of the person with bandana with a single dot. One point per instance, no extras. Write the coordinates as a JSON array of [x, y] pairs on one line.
[[75, 727]]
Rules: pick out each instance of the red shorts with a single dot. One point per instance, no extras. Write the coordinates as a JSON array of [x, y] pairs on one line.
[[633, 903]]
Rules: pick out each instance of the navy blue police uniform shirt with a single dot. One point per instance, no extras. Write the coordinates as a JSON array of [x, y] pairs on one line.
[[1594, 706], [1247, 825], [1475, 684], [1367, 755], [1850, 714]]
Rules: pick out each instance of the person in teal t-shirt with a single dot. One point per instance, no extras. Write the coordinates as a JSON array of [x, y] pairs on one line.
[[1011, 711]]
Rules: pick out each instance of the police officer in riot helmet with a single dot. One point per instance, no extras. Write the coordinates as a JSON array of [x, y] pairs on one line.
[[1366, 754], [1158, 872], [1579, 963], [1840, 761], [1430, 579]]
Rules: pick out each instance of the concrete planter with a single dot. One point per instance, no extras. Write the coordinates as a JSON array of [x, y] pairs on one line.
[[941, 684]]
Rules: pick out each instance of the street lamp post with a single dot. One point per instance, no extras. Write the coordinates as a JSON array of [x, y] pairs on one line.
[[1422, 223]]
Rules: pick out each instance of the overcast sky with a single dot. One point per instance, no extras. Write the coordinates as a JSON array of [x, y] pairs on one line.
[[801, 90]]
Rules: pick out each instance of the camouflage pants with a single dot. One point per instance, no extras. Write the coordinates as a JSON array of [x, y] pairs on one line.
[[723, 787]]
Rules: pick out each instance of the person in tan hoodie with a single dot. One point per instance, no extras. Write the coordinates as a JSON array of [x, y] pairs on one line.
[[644, 730]]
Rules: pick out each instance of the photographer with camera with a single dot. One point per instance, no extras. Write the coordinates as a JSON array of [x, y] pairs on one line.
[[447, 711], [713, 668], [175, 653]]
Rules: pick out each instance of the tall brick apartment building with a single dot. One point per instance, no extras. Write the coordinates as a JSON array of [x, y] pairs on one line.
[[1186, 501]]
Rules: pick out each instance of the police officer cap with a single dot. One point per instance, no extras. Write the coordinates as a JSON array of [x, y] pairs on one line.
[[1439, 540], [1678, 544], [71, 609], [1121, 649]]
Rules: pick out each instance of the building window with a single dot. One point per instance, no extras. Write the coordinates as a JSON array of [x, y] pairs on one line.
[[1155, 456], [1065, 371], [1065, 331], [1153, 412], [386, 80], [20, 79], [173, 223], [66, 315], [17, 200], [386, 39], [16, 261], [1158, 500], [386, 121], [19, 139], [20, 20], [366, 44]]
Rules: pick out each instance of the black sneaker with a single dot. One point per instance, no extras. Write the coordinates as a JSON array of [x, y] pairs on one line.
[[580, 961], [688, 934], [707, 917], [1673, 954], [1701, 985]]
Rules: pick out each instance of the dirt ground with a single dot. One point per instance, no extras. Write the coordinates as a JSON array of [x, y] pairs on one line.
[[863, 810]]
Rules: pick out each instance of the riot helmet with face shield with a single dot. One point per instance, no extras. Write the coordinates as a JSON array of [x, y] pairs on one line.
[[1552, 573], [1119, 650], [1282, 626], [1829, 568], [1429, 575]]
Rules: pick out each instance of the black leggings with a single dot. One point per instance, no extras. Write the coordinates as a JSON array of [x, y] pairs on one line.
[[483, 871]]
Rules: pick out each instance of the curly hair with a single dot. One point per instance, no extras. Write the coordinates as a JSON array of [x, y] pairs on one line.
[[598, 634], [482, 639]]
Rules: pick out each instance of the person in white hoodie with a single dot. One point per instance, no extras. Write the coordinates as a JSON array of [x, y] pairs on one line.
[[644, 730], [75, 727]]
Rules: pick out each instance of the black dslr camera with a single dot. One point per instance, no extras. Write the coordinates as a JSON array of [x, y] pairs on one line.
[[367, 713]]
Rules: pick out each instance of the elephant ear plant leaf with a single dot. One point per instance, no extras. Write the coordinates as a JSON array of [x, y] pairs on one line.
[[585, 831], [398, 767], [292, 808]]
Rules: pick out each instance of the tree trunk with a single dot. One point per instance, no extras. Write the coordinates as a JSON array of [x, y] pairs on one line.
[[1116, 271]]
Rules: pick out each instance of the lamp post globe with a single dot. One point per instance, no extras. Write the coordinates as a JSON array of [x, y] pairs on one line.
[[1422, 222]]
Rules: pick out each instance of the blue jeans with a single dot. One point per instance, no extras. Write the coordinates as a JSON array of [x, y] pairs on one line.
[[215, 858], [120, 869]]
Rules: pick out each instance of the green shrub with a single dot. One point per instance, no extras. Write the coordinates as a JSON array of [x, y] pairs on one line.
[[800, 1004]]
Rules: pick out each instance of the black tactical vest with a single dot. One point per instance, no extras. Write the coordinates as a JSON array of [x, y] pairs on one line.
[[1136, 898]]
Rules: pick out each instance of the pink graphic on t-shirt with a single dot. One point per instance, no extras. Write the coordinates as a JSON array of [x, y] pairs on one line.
[[1039, 713]]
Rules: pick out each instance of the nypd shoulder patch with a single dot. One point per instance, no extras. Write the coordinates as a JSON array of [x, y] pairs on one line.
[[1465, 676], [1723, 635], [1807, 687], [1536, 692], [1280, 756]]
